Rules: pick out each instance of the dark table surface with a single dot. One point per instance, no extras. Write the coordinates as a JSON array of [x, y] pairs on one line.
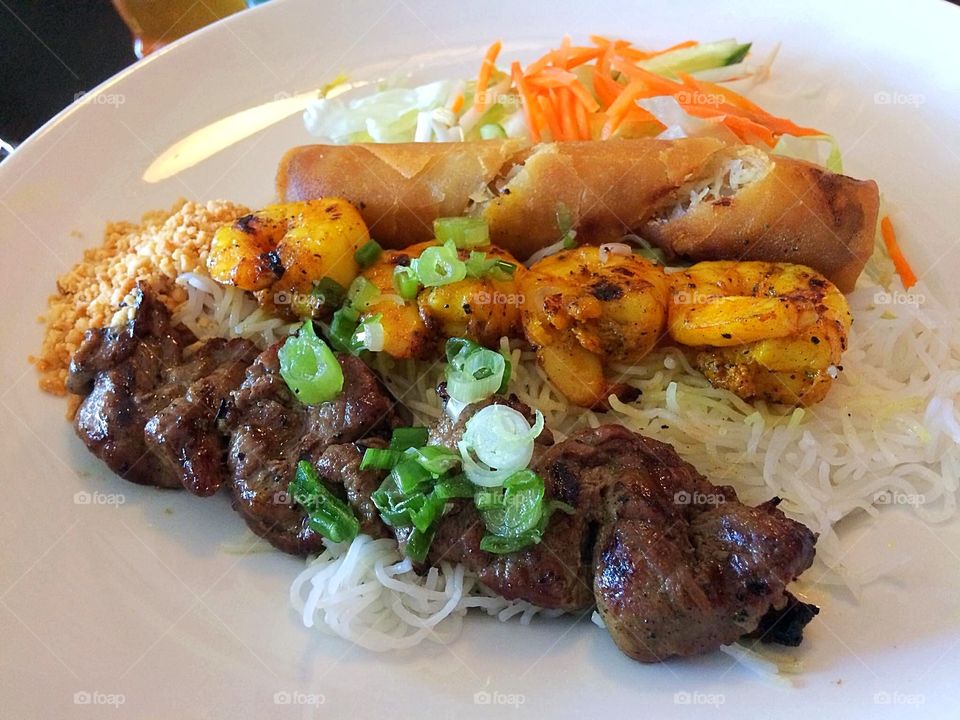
[[52, 50]]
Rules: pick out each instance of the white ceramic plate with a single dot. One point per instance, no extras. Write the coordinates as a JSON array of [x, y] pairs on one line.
[[138, 610]]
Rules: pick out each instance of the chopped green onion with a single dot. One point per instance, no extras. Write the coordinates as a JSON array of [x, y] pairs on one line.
[[504, 546], [497, 442], [362, 293], [343, 326], [434, 459], [328, 292], [439, 265], [492, 131], [408, 437], [464, 232], [406, 282], [457, 486], [428, 512], [473, 371], [409, 475], [389, 501], [380, 459], [309, 367], [418, 544], [369, 334], [368, 254], [327, 514], [500, 545], [569, 240], [514, 509], [480, 265]]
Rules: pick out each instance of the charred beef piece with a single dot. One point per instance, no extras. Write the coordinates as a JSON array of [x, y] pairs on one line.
[[150, 408], [784, 625], [555, 573], [675, 565], [680, 566], [271, 431]]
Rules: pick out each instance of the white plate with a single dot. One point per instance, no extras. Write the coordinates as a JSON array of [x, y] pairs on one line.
[[137, 610]]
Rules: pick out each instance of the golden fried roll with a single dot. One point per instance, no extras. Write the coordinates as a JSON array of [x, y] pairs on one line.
[[696, 198], [529, 196], [785, 210], [603, 190], [400, 189]]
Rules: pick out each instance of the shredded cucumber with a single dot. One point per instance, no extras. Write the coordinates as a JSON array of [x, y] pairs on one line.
[[699, 57]]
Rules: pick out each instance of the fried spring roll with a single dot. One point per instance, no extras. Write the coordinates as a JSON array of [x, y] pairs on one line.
[[696, 198], [763, 207]]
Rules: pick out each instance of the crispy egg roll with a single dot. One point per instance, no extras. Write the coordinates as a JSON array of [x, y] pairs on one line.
[[787, 211], [696, 198], [400, 189]]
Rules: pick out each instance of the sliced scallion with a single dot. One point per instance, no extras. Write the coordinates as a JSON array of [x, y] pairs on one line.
[[309, 367], [439, 265], [464, 232], [408, 437], [327, 514], [368, 254]]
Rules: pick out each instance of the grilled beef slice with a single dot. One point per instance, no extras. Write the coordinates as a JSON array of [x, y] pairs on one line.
[[675, 565], [271, 431], [150, 406]]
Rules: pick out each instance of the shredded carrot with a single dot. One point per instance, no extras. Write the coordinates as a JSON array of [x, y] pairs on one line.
[[552, 77], [678, 46], [907, 276], [483, 78], [618, 109], [527, 102], [549, 113], [583, 122], [584, 97], [557, 101], [568, 117], [457, 105]]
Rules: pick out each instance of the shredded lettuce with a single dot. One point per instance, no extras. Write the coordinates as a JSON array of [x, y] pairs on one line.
[[680, 123], [387, 116], [820, 149]]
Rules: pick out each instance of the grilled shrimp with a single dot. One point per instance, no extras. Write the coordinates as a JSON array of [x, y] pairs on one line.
[[405, 335], [772, 331], [282, 250], [584, 308], [482, 309]]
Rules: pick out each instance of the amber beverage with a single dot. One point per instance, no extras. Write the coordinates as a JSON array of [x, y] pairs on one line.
[[154, 23]]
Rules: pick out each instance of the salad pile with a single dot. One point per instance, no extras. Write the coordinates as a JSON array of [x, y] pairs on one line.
[[604, 89]]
